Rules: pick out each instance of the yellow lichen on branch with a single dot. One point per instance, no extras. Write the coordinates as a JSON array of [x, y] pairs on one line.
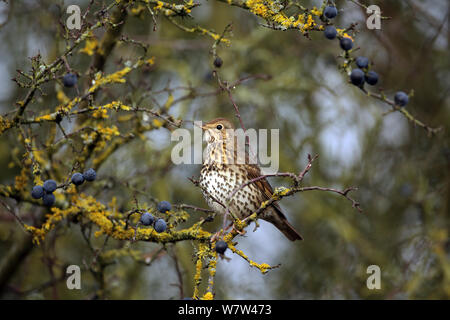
[[271, 11], [5, 124], [116, 77], [53, 218], [90, 46], [263, 267]]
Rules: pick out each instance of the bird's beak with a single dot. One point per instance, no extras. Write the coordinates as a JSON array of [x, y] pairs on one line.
[[203, 127]]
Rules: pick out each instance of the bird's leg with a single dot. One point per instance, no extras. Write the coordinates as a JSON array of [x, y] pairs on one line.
[[225, 216], [229, 226], [227, 212], [217, 235], [220, 233], [224, 227]]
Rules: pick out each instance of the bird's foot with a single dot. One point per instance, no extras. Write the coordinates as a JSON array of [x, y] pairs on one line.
[[256, 226], [240, 232]]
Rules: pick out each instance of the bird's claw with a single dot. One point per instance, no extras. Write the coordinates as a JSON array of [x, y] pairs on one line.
[[240, 232]]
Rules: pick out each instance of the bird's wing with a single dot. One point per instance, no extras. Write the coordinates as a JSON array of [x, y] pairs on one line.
[[277, 217], [255, 172]]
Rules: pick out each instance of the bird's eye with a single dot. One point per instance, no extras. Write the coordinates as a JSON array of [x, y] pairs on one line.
[[219, 127]]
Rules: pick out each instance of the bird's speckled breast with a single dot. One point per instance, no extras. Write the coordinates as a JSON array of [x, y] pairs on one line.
[[220, 180]]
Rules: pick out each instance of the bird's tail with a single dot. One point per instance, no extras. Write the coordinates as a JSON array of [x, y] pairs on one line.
[[279, 220]]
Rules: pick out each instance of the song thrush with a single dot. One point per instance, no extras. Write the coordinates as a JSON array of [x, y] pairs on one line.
[[225, 169]]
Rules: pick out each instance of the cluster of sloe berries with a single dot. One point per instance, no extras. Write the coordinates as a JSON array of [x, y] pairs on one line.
[[147, 219], [330, 31], [78, 178], [46, 191], [330, 12], [361, 74]]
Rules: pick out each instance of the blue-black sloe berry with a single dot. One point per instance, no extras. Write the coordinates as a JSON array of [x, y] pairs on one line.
[[50, 185], [48, 199], [362, 62], [69, 79], [372, 78], [346, 43], [90, 175], [330, 32], [37, 192], [218, 62], [357, 77], [164, 206], [77, 179], [330, 12], [401, 99], [221, 246], [147, 219], [160, 225]]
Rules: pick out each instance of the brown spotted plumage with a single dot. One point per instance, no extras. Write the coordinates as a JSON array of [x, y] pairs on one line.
[[224, 170]]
